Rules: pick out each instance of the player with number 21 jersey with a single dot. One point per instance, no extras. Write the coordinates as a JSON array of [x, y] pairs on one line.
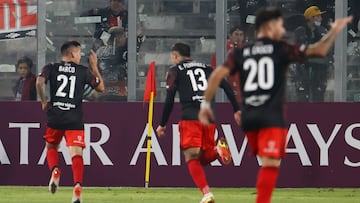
[[67, 81]]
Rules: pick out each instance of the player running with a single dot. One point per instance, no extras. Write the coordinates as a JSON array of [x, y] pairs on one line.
[[262, 67], [64, 111], [197, 142]]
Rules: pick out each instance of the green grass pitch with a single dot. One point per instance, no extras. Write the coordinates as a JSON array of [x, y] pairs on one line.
[[31, 194]]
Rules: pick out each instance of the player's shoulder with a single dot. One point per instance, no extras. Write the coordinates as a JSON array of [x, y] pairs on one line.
[[275, 44], [51, 65], [172, 68], [193, 64]]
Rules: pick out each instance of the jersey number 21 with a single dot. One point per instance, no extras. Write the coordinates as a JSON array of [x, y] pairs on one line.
[[64, 82]]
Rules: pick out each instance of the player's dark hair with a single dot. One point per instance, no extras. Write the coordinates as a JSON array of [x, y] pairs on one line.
[[67, 45], [182, 49], [26, 60], [266, 14]]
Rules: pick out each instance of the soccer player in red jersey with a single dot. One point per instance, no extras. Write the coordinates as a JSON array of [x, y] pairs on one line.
[[189, 78], [64, 111], [262, 66]]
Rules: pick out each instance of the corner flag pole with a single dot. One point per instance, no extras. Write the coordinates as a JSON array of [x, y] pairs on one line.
[[149, 94], [150, 119]]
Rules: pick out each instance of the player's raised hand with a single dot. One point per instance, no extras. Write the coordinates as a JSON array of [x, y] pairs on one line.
[[340, 23], [206, 115], [160, 131], [93, 60]]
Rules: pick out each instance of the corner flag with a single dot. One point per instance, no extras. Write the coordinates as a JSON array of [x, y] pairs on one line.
[[149, 94], [150, 85]]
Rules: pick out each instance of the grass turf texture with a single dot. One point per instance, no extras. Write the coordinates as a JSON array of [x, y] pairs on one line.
[[31, 194]]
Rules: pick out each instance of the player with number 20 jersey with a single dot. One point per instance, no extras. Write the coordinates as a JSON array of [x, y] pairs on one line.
[[262, 67]]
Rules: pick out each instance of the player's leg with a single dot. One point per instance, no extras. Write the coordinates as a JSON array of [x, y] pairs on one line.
[[272, 144], [266, 180], [77, 166], [190, 143], [53, 138], [75, 142], [210, 151], [197, 173]]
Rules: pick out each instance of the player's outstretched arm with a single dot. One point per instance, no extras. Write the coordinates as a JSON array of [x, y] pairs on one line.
[[322, 47], [231, 96], [93, 60], [206, 115]]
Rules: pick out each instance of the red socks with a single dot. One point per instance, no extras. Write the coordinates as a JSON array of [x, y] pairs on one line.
[[52, 158], [78, 169], [266, 182], [77, 164], [198, 175]]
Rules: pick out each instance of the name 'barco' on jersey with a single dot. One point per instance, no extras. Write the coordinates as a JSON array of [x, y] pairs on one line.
[[67, 69], [191, 65], [261, 50]]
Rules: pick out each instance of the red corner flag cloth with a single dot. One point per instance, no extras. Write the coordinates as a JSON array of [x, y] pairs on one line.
[[150, 85]]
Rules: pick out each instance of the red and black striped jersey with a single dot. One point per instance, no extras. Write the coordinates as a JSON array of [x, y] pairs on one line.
[[263, 66], [67, 81]]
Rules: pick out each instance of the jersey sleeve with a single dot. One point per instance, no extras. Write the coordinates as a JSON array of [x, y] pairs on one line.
[[45, 72], [91, 79], [171, 79], [230, 94], [294, 53], [171, 89], [230, 61]]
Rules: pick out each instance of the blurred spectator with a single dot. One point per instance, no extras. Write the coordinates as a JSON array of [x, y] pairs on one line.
[[114, 15], [25, 86], [112, 50], [311, 76], [236, 40], [112, 59]]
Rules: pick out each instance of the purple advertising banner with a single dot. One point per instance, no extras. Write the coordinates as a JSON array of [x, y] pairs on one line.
[[323, 148]]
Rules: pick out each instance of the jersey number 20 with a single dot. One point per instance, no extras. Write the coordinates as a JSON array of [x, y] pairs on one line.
[[261, 74], [64, 82], [201, 82]]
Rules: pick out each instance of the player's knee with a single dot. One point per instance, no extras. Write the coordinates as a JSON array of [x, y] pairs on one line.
[[51, 145], [190, 156], [270, 162], [75, 151]]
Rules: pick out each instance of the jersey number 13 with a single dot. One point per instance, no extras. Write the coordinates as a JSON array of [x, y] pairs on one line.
[[199, 82]]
